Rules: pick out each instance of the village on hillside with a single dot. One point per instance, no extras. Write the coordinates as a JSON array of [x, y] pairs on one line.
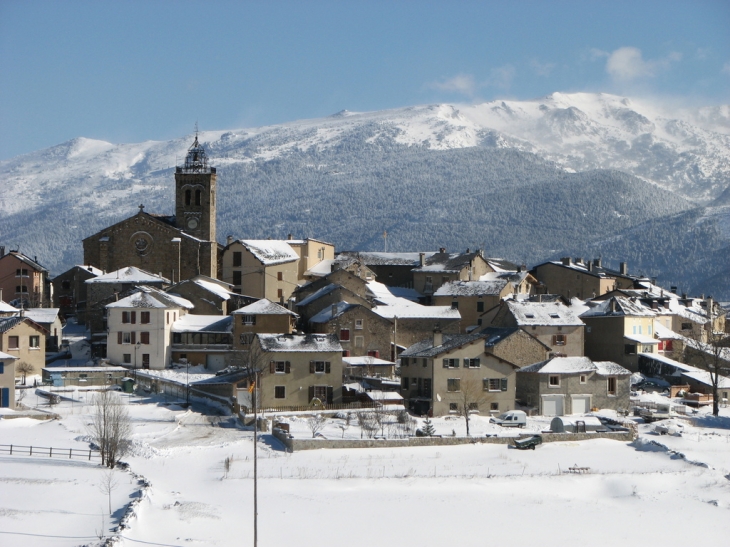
[[315, 347]]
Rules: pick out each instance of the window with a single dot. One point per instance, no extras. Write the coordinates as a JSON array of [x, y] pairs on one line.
[[491, 384], [126, 338], [279, 276], [612, 385], [133, 317], [359, 341], [168, 318], [13, 342], [427, 387], [127, 358], [35, 342], [21, 289], [144, 317], [455, 305], [358, 324], [453, 407], [236, 259], [198, 197], [320, 392], [279, 367], [280, 293], [583, 378], [345, 352], [145, 360], [493, 406], [125, 317], [237, 277], [558, 340], [66, 285], [248, 319], [375, 353], [554, 380], [188, 195], [279, 392], [404, 383], [144, 337], [344, 335], [429, 279], [480, 307], [318, 367], [21, 272], [451, 363], [471, 363], [444, 279], [686, 326], [554, 316], [246, 338], [630, 349], [473, 407], [453, 384]]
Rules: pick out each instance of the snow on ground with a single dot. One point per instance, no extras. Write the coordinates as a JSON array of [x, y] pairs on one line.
[[429, 495]]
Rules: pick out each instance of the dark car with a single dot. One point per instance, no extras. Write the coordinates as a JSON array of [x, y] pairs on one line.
[[651, 386]]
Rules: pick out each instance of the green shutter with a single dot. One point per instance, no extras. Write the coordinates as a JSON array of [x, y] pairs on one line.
[[504, 384]]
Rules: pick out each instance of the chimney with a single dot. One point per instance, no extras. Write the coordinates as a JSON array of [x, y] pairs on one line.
[[289, 237], [229, 240], [597, 262], [2, 251], [442, 250], [624, 268], [468, 250], [673, 289], [565, 260], [422, 258], [578, 260], [334, 309], [654, 305], [590, 266], [438, 337]]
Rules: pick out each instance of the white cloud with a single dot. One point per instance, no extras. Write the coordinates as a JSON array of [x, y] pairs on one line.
[[501, 77], [461, 83], [627, 63], [542, 69]]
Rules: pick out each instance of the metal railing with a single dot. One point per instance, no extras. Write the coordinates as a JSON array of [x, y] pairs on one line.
[[48, 452]]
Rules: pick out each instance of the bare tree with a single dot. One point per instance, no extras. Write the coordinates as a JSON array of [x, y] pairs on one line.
[[107, 484], [707, 349], [25, 368], [110, 427], [316, 423], [471, 396]]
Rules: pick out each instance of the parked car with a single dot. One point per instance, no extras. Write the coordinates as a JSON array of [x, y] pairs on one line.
[[651, 386], [513, 418]]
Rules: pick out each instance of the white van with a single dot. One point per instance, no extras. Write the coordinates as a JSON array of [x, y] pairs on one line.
[[513, 418]]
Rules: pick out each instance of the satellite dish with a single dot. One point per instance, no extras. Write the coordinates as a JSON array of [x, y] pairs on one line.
[[438, 397]]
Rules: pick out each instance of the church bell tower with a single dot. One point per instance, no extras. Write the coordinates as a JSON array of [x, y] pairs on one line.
[[195, 209]]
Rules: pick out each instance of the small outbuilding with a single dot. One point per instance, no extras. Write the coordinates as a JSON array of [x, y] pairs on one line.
[[571, 424]]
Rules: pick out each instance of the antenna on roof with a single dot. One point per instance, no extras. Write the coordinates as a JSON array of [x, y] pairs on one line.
[[196, 130], [385, 239]]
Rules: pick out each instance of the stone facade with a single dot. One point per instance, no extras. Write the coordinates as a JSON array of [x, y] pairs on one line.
[[442, 267], [70, 291], [573, 280], [210, 296], [515, 345], [360, 331]]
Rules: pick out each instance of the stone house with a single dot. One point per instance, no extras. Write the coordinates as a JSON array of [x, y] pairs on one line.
[[179, 246], [618, 330], [552, 323], [140, 328], [210, 296], [70, 289], [514, 345], [298, 368], [203, 340], [472, 298], [25, 339], [7, 380], [263, 316], [442, 267], [440, 374], [579, 279], [343, 278], [324, 298], [391, 269], [573, 385], [84, 376], [414, 322], [360, 331], [23, 281]]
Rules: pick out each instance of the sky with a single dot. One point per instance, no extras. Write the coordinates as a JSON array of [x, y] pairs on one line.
[[149, 70]]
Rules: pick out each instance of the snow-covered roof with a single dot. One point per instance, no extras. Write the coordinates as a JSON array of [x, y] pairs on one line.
[[447, 262], [387, 259], [663, 333], [150, 297], [270, 251], [129, 274], [264, 307], [366, 361], [405, 309], [93, 270], [378, 395], [203, 323], [333, 311], [5, 356], [576, 365], [641, 339], [314, 343], [26, 260], [472, 288], [42, 315], [543, 313], [618, 306], [214, 287], [668, 361], [317, 294], [449, 342], [85, 369], [7, 308], [703, 377], [321, 268]]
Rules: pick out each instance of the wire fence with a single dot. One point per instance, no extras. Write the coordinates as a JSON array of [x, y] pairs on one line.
[[49, 452]]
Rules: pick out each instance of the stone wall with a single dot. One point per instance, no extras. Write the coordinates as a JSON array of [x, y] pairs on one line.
[[293, 445]]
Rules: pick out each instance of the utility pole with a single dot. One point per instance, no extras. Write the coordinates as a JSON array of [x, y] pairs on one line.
[[255, 442]]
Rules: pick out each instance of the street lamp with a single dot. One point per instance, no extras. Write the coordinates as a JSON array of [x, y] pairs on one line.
[[136, 347]]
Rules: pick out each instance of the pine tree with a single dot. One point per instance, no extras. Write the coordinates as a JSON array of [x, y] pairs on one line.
[[428, 428]]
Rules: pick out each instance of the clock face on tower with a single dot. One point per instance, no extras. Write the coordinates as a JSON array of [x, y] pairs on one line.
[[193, 223]]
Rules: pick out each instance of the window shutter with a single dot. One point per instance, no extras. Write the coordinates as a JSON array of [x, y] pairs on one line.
[[476, 362], [330, 395], [327, 367], [446, 363], [288, 367], [134, 317], [504, 384], [311, 391], [555, 339], [134, 337], [456, 363], [272, 367], [311, 371], [119, 337]]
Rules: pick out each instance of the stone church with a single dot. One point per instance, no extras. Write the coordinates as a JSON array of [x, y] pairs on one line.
[[176, 247]]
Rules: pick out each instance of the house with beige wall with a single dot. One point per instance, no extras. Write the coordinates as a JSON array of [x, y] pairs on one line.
[[552, 323], [203, 340], [442, 267], [578, 279], [7, 380], [438, 374], [514, 345], [472, 298], [263, 316], [23, 280], [296, 369], [25, 339]]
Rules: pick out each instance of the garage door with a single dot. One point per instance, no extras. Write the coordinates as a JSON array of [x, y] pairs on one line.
[[552, 405], [581, 404], [215, 362]]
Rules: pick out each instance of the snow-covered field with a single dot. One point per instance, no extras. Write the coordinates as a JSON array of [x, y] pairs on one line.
[[636, 494]]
